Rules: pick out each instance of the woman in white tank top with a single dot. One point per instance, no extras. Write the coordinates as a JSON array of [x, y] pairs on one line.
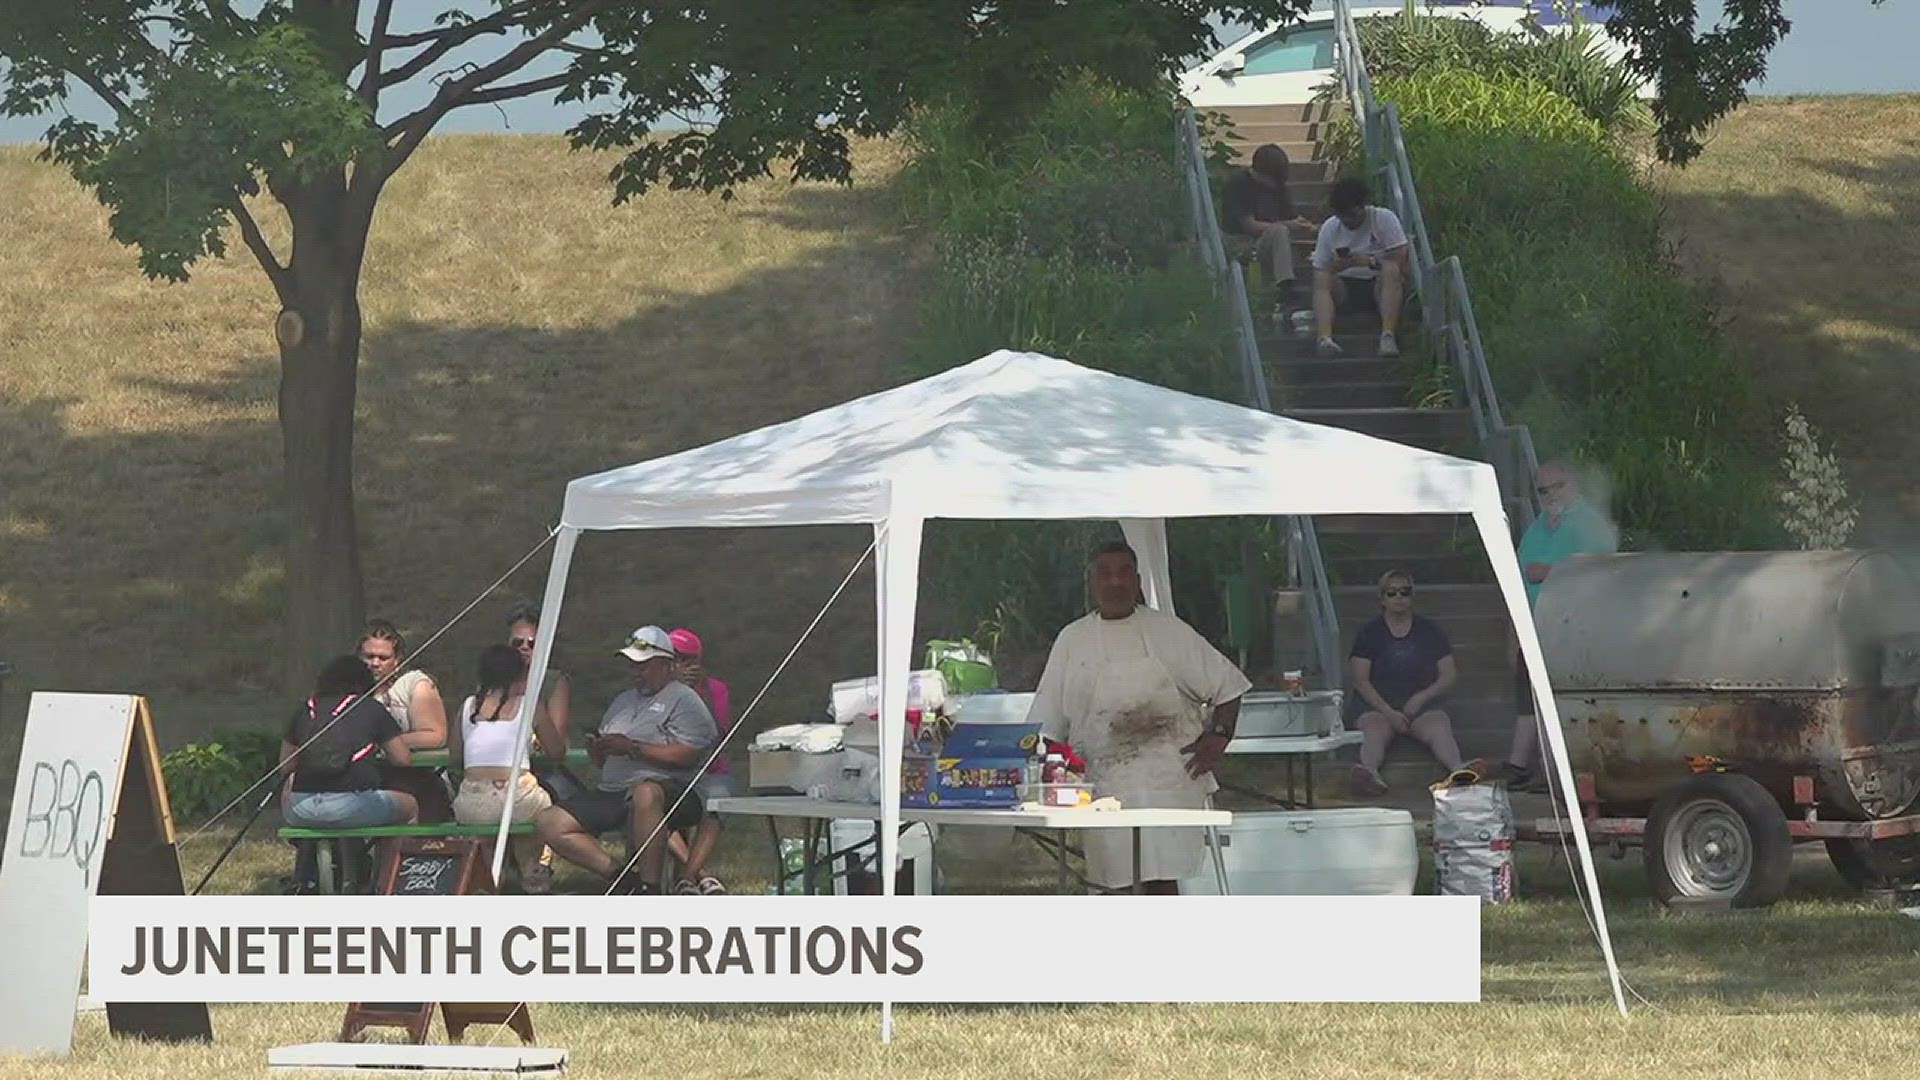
[[484, 745]]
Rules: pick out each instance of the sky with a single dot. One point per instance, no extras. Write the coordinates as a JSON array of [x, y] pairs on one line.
[[1835, 47]]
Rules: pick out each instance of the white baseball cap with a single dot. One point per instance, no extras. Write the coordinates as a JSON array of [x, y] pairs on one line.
[[647, 643]]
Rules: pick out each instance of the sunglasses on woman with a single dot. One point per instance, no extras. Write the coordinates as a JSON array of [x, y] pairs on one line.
[[1405, 590], [521, 642]]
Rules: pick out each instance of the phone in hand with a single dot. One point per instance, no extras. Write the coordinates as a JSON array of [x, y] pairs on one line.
[[1343, 252]]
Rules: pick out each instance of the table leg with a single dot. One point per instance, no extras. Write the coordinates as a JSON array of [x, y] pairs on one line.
[[1060, 859], [779, 864], [807, 857], [1290, 794], [1139, 887], [1309, 772]]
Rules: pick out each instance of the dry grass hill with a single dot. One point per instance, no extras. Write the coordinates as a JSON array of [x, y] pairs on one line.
[[1800, 220], [519, 331]]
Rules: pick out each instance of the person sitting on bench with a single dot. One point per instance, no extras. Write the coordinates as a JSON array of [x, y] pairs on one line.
[[648, 749], [328, 753], [486, 740]]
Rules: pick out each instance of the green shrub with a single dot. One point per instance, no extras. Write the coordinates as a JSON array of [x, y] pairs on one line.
[[201, 779], [1593, 338], [1570, 64]]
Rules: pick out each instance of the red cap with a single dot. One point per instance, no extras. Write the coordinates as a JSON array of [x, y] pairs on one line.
[[685, 642]]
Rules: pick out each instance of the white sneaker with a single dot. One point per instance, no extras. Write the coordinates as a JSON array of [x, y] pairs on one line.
[[1326, 346], [1388, 346]]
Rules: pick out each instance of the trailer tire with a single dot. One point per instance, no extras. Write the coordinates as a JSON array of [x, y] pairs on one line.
[[1718, 836], [1877, 866]]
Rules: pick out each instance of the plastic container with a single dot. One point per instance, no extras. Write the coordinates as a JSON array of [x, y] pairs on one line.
[[855, 698], [1343, 851], [1067, 793]]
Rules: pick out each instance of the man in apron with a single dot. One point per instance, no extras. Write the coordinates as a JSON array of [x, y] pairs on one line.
[[1151, 707]]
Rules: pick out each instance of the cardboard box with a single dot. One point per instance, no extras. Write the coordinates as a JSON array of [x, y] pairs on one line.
[[980, 766], [792, 770]]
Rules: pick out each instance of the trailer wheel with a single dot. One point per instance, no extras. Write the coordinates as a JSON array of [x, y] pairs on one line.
[[1718, 836], [1891, 865]]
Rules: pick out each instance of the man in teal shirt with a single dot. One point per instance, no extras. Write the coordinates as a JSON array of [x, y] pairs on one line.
[[1567, 525]]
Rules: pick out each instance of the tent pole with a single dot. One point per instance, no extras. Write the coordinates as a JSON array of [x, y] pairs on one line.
[[1492, 522], [1148, 538], [536, 675], [897, 560]]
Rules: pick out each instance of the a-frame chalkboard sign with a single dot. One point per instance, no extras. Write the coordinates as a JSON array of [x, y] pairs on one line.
[[434, 866], [90, 816]]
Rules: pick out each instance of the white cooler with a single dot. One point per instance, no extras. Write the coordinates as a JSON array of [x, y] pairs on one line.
[[1344, 851]]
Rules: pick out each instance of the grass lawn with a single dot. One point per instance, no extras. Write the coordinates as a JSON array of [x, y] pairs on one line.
[[1820, 983], [520, 331], [1799, 219]]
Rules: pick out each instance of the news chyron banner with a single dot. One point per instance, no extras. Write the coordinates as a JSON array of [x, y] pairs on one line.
[[987, 949]]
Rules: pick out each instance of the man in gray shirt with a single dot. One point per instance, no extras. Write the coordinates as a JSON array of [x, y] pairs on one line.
[[649, 749]]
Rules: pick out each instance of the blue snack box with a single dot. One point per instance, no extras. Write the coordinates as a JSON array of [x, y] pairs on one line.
[[981, 766]]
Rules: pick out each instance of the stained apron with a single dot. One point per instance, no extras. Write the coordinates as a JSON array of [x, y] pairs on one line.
[[1135, 725]]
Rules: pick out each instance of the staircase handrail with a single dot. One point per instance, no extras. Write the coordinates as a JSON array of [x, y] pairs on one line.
[[1446, 303]]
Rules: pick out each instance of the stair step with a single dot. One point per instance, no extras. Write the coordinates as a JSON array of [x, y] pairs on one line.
[[1438, 568], [1447, 431], [1301, 168], [1343, 395], [1302, 165], [1288, 113], [1312, 370], [1469, 600], [1284, 132], [1340, 524]]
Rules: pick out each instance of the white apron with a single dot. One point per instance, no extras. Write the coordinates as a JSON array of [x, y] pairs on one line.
[[1135, 724]]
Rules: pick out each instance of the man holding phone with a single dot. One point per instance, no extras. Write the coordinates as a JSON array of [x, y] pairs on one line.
[[649, 749], [1360, 246]]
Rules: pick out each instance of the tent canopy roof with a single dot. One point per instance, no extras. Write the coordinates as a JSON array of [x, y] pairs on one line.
[[1019, 435]]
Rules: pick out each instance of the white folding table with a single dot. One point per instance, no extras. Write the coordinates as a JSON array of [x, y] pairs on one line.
[[1304, 746], [1058, 820]]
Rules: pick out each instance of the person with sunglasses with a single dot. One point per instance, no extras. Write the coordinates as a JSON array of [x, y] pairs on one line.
[[1401, 668], [1568, 525], [523, 630]]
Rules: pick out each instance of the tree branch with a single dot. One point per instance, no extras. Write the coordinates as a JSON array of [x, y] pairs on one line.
[[376, 43], [406, 133], [517, 90], [442, 42], [281, 277]]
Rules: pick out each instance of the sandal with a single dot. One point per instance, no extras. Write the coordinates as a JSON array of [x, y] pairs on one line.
[[711, 886], [686, 887]]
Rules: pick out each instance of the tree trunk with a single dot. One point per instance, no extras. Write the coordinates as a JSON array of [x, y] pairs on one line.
[[319, 335]]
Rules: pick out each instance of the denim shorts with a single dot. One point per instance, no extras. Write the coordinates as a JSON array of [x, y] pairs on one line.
[[344, 809]]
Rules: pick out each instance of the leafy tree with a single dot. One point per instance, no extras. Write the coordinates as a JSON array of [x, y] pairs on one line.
[[1699, 76], [220, 116]]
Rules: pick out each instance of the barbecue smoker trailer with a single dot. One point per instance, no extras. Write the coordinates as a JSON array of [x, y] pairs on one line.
[[1720, 707]]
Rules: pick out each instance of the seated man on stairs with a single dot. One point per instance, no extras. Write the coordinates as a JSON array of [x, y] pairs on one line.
[[1360, 246], [1258, 220]]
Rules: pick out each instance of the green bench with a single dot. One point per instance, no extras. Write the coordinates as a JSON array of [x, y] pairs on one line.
[[332, 861], [375, 832]]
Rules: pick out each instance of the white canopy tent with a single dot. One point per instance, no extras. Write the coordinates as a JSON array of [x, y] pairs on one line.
[[1024, 436]]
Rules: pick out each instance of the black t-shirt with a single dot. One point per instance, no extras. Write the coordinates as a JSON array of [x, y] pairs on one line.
[[1402, 666], [1244, 194], [365, 723]]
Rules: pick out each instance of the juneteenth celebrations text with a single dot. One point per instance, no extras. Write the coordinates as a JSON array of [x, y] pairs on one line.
[[525, 950]]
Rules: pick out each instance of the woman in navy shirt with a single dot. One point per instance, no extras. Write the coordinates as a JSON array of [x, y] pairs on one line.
[[1402, 667]]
